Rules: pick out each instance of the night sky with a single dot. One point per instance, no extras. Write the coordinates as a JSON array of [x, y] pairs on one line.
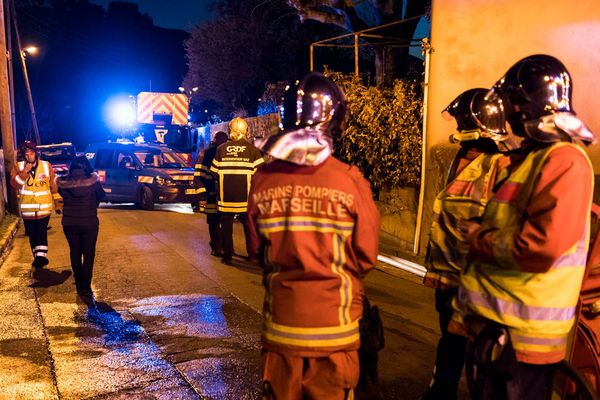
[[91, 62], [176, 14]]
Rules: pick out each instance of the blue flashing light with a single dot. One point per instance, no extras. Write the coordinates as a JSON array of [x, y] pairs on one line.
[[120, 113]]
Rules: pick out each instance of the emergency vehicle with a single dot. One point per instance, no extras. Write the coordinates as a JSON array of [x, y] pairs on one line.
[[59, 155], [144, 174], [163, 118]]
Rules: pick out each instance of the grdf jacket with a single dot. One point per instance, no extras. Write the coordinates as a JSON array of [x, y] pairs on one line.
[[234, 164]]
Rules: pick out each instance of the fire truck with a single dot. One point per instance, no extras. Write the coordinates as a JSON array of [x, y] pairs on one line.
[[163, 118]]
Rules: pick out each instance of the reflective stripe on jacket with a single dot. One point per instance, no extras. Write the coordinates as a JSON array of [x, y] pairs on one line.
[[234, 163], [465, 197], [205, 177], [36, 194], [537, 307], [316, 229]]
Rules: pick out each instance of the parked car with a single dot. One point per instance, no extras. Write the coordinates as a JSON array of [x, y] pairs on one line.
[[144, 174], [59, 155]]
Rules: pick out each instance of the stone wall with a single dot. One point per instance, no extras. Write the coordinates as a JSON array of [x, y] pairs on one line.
[[260, 126], [398, 210], [398, 207]]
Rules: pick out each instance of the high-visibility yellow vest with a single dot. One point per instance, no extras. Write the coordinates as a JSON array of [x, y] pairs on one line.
[[463, 198], [35, 196], [539, 309]]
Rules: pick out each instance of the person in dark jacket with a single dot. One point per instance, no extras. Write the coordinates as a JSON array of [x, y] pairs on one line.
[[82, 192], [206, 179]]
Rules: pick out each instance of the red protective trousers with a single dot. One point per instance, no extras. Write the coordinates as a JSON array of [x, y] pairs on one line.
[[330, 377]]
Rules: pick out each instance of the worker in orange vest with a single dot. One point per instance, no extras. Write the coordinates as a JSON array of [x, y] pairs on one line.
[[478, 165], [518, 295], [38, 196]]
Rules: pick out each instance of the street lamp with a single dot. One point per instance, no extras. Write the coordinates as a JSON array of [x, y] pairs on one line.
[[188, 92], [32, 50]]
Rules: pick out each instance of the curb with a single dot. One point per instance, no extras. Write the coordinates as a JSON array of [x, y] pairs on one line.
[[403, 264], [7, 239]]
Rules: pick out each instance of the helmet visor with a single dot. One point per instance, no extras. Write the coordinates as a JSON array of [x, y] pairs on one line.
[[488, 112], [447, 115]]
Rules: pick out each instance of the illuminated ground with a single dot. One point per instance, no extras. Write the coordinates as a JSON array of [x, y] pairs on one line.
[[171, 321]]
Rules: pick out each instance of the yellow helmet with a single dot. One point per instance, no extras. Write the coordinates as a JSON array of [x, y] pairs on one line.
[[238, 128]]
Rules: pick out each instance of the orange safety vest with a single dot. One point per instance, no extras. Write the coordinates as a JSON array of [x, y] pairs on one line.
[[539, 309], [465, 197]]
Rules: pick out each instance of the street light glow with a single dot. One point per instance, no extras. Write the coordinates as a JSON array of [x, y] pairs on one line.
[[31, 50]]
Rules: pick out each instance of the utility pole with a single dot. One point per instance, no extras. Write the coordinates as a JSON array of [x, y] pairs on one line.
[[11, 80], [8, 145], [13, 11]]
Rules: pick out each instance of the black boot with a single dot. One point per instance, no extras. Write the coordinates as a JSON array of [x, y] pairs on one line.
[[226, 260], [39, 262]]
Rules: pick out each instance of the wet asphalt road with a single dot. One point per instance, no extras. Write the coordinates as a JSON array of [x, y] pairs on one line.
[[171, 321]]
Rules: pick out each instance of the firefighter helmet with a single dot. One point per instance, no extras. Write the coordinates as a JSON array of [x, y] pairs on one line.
[[536, 93], [313, 114], [315, 103], [238, 128], [477, 117]]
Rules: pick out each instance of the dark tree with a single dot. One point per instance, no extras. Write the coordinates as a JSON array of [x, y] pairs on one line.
[[248, 44]]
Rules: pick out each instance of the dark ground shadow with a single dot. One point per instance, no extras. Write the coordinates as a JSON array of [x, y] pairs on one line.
[[44, 278], [242, 263]]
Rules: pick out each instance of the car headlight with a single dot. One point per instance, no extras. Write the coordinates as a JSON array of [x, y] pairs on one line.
[[164, 181]]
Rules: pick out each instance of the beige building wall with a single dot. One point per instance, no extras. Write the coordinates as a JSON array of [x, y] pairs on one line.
[[475, 41]]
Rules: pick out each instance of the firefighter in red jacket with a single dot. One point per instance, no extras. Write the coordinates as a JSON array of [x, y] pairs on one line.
[[478, 165], [315, 225], [38, 196], [518, 296]]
